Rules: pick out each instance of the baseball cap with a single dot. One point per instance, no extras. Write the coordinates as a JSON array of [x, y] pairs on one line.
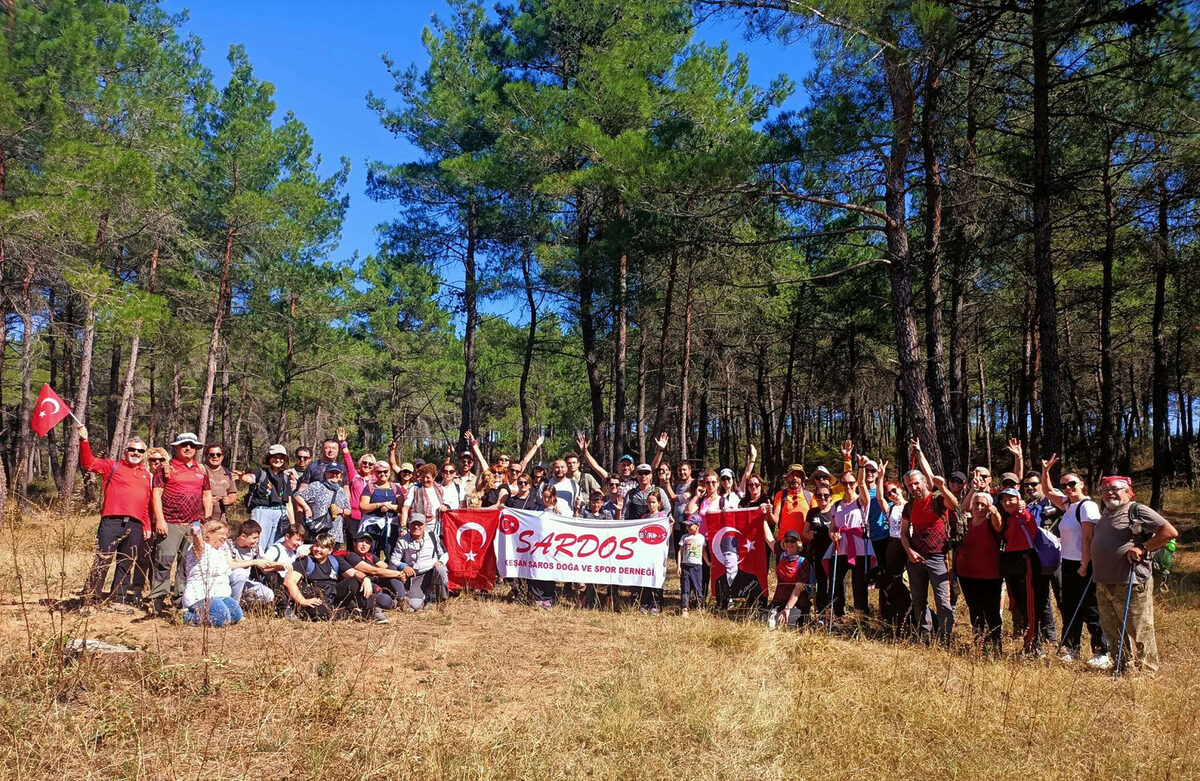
[[420, 462], [333, 468], [958, 477], [792, 534], [277, 450], [416, 519], [626, 457], [467, 454], [1009, 476], [871, 465], [644, 468], [406, 467], [796, 468], [363, 536], [727, 472], [186, 438], [1010, 492]]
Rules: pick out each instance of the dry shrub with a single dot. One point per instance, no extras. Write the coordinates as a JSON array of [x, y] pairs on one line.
[[492, 690]]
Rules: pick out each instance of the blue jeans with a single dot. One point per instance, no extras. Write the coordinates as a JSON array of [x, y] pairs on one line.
[[218, 611], [273, 521]]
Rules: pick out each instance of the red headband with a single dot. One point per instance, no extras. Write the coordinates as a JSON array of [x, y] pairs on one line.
[[1118, 479]]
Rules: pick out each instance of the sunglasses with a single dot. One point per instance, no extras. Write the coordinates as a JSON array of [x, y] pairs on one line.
[[822, 495], [1031, 485], [381, 471], [524, 482], [135, 450], [1069, 483], [159, 459], [303, 458], [188, 445], [849, 483], [215, 455]]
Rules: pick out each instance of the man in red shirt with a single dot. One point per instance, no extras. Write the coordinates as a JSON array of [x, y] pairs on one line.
[[124, 518], [181, 496]]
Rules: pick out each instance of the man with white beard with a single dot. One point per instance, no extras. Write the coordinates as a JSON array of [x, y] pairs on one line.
[[1120, 549]]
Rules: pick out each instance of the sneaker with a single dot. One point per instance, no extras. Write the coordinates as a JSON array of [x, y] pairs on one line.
[[1066, 658], [655, 611], [290, 615], [121, 607], [772, 618], [544, 604], [684, 613], [379, 617], [644, 611], [1100, 662], [158, 607]]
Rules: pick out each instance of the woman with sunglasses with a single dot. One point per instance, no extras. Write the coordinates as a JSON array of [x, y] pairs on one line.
[[358, 477], [124, 519], [977, 565], [850, 550], [817, 541], [894, 599], [380, 504], [1076, 528]]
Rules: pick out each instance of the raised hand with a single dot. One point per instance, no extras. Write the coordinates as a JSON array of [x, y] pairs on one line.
[[915, 445], [939, 482], [753, 453], [662, 439], [582, 441], [847, 449], [883, 465], [467, 435], [541, 440], [1048, 464], [862, 461], [341, 433], [1014, 446], [83, 433]]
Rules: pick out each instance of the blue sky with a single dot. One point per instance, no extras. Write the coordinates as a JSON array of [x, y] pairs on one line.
[[323, 59]]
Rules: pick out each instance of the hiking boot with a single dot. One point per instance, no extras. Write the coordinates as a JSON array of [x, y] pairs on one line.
[[158, 607]]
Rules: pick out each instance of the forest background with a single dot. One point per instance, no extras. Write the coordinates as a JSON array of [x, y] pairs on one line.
[[980, 224]]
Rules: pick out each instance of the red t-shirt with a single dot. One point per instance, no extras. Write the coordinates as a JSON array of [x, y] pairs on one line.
[[1019, 531], [978, 555], [183, 490], [928, 535], [126, 488]]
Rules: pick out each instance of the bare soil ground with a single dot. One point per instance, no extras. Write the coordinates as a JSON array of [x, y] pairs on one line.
[[486, 689]]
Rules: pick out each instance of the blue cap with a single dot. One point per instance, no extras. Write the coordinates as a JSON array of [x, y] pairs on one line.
[[626, 457], [1010, 492]]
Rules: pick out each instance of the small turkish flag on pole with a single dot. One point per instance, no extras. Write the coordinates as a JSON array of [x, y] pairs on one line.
[[48, 412]]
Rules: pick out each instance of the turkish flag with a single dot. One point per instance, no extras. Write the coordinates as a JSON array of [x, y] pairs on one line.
[[470, 537], [743, 528], [48, 412]]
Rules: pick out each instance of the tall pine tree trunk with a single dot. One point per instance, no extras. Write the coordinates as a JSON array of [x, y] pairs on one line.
[[622, 349], [25, 449], [686, 364], [527, 437], [1043, 261], [224, 293], [1160, 377], [1108, 412], [921, 424], [71, 461], [660, 416], [125, 413], [469, 414], [935, 374]]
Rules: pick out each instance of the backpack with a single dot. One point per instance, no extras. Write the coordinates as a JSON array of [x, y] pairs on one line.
[[1047, 547], [310, 566], [1162, 559]]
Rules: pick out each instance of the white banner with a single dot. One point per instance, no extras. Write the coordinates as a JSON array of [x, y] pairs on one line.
[[544, 546]]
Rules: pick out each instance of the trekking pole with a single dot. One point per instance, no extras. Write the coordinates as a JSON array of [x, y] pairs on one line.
[[1121, 646], [1078, 607], [833, 584]]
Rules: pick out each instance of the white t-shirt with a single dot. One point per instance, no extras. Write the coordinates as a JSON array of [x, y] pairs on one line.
[[691, 549], [895, 519], [568, 491], [207, 578], [279, 552], [1070, 529], [715, 504]]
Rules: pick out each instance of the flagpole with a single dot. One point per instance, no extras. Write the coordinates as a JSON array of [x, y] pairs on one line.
[[72, 414]]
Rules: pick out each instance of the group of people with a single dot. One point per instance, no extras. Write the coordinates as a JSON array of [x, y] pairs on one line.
[[337, 536]]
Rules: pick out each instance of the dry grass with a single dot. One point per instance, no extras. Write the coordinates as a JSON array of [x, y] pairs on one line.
[[490, 690]]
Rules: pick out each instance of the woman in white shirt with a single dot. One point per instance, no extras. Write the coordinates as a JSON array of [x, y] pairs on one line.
[[1075, 529], [207, 595], [851, 547]]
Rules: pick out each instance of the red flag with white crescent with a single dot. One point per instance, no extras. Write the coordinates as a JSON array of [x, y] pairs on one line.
[[470, 537], [48, 412], [740, 530]]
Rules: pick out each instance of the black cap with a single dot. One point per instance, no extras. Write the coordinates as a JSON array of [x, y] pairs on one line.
[[958, 477]]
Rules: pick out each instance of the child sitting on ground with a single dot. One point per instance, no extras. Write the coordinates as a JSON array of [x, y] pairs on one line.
[[245, 582]]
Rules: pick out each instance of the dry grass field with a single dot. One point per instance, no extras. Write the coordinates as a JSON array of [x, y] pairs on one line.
[[485, 689]]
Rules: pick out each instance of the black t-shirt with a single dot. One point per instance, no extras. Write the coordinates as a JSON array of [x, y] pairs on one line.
[[491, 497], [270, 489], [637, 505], [820, 523], [530, 502], [746, 501], [322, 575]]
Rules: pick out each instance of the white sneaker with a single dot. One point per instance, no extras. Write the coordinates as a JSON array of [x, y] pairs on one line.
[[684, 613], [1100, 662], [1066, 658], [772, 618]]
